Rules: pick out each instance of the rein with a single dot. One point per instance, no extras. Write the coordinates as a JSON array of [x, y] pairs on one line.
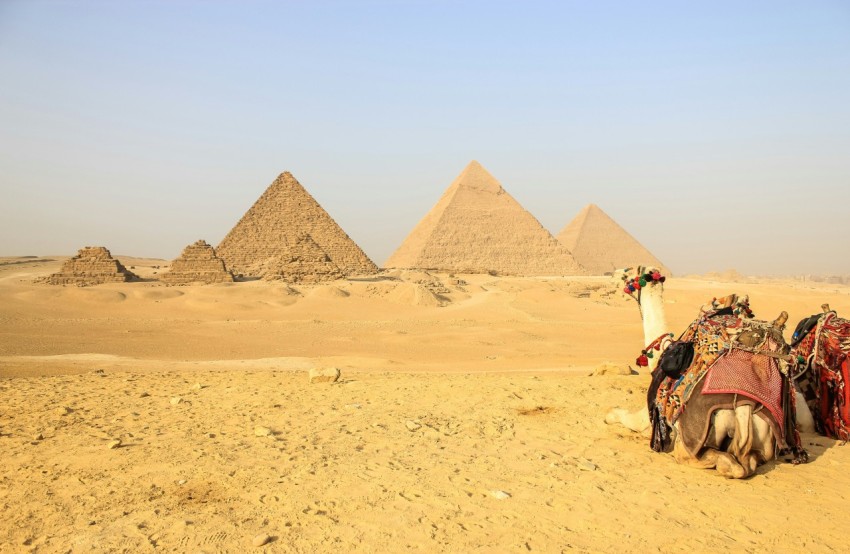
[[646, 353]]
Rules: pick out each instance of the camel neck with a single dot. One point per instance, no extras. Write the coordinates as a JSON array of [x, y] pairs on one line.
[[652, 314]]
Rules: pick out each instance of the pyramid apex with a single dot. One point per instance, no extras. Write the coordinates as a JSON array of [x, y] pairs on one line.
[[591, 208], [474, 176], [475, 165]]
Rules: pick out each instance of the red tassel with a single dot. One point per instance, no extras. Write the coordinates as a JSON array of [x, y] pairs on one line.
[[642, 361]]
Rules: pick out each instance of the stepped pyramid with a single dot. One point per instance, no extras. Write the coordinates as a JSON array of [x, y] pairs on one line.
[[271, 235], [477, 227], [601, 245], [197, 263], [92, 265]]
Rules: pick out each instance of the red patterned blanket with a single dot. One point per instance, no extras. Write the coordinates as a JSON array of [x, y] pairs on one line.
[[730, 374], [825, 375]]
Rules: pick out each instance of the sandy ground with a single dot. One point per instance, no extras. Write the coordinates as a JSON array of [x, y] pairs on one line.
[[465, 420]]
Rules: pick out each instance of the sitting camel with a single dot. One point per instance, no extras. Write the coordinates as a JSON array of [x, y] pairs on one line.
[[739, 414]]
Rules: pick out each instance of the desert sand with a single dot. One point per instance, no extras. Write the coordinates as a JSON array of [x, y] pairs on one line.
[[139, 417]]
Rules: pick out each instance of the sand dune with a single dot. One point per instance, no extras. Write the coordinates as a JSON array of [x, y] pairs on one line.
[[465, 420]]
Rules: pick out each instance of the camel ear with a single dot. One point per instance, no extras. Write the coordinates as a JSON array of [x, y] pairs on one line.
[[729, 300], [779, 322]]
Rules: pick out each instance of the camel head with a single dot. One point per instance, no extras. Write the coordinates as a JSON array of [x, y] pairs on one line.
[[636, 282]]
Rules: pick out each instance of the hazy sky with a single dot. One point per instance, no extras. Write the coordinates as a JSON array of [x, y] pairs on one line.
[[717, 133]]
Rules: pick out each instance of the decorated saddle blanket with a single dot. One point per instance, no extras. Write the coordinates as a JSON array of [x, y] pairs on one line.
[[738, 356], [711, 337], [824, 374], [731, 374]]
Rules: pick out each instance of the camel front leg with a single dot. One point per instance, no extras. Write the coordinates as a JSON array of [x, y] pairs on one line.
[[637, 421]]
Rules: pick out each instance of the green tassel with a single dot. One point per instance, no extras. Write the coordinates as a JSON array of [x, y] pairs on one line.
[[649, 354], [801, 360], [642, 282]]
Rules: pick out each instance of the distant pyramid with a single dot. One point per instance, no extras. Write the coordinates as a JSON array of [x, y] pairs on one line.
[[262, 241], [92, 265], [601, 245], [477, 227], [197, 263]]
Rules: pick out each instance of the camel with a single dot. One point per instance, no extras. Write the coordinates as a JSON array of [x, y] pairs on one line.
[[821, 352], [734, 434]]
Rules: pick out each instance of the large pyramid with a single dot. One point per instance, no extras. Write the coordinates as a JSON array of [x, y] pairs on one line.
[[477, 227], [601, 245], [271, 236]]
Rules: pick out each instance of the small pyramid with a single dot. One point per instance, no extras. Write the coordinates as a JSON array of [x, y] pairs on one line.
[[197, 263], [601, 245], [92, 265], [263, 240], [477, 227]]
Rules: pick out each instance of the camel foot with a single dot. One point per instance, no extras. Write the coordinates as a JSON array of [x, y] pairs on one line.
[[728, 467], [615, 416], [636, 421]]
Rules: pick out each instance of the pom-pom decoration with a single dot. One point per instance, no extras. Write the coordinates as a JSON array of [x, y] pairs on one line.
[[641, 280]]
